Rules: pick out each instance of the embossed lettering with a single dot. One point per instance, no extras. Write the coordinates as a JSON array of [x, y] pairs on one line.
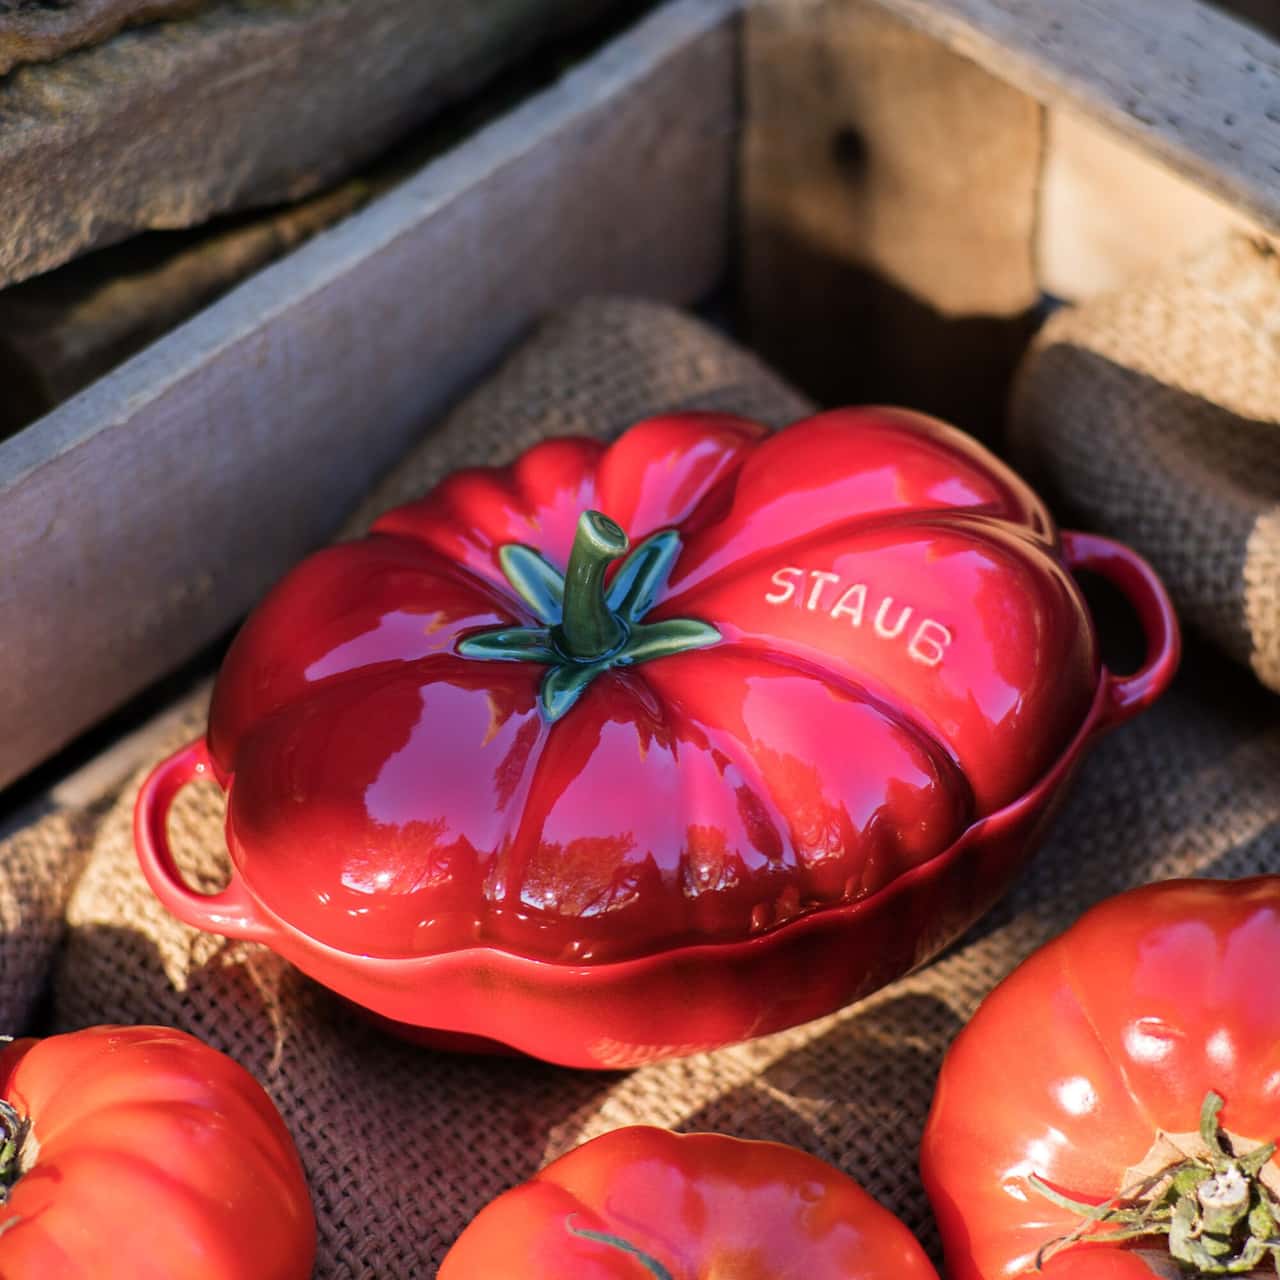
[[820, 580], [929, 644], [780, 579], [851, 604], [882, 629]]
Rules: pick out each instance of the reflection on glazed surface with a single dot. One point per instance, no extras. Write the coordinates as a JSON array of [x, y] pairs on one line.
[[902, 654]]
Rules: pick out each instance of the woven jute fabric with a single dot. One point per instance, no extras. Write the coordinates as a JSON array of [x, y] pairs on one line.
[[593, 369], [39, 862], [1154, 414], [403, 1146]]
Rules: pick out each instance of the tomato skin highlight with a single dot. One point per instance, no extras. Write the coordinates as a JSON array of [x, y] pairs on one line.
[[1107, 1037], [151, 1156], [700, 1206]]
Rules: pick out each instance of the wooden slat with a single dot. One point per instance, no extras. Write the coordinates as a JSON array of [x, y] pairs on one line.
[[67, 328], [143, 516], [86, 785], [1193, 85], [888, 211], [1109, 213]]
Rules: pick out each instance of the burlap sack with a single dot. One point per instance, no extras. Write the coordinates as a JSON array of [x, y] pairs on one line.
[[39, 862], [1154, 413], [592, 370], [403, 1146]]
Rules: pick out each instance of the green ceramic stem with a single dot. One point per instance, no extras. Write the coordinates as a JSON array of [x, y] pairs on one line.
[[589, 629], [584, 630]]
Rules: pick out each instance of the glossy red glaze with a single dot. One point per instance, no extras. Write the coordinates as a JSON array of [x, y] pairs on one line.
[[694, 1207], [1107, 1036], [709, 845]]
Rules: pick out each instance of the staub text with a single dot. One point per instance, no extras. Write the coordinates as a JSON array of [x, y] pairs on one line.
[[857, 604]]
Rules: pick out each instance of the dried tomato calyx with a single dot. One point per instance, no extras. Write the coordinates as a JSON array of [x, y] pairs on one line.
[[650, 1264], [587, 629], [1219, 1215], [14, 1129]]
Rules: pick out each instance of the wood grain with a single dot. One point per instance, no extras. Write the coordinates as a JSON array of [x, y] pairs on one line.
[[1192, 85], [889, 203], [62, 330], [141, 518], [1109, 213]]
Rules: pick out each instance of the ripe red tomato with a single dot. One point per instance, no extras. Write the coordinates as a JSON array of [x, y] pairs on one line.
[[1133, 1063], [143, 1154], [641, 1202]]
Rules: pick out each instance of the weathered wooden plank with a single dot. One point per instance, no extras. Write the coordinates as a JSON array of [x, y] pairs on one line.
[[1110, 213], [242, 105], [61, 331], [143, 516], [1191, 84], [889, 202]]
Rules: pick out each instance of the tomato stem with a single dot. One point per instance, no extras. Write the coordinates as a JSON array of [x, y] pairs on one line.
[[1219, 1216], [650, 1264], [584, 630], [589, 629], [13, 1134]]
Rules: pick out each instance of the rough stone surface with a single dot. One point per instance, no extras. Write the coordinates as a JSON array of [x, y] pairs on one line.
[[241, 105], [41, 30]]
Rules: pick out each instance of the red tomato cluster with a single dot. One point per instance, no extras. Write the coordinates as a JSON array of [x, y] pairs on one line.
[[1110, 1113]]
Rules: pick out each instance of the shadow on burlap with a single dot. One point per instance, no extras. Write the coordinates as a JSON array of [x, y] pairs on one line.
[[403, 1146], [39, 864]]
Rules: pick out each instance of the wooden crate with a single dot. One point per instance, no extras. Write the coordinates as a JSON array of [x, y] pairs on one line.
[[142, 517], [953, 161], [905, 180]]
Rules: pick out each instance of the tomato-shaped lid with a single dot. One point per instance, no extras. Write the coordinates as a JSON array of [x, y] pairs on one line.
[[685, 688]]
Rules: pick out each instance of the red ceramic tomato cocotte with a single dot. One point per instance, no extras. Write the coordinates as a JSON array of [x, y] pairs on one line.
[[1084, 1077], [628, 751], [641, 1202]]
